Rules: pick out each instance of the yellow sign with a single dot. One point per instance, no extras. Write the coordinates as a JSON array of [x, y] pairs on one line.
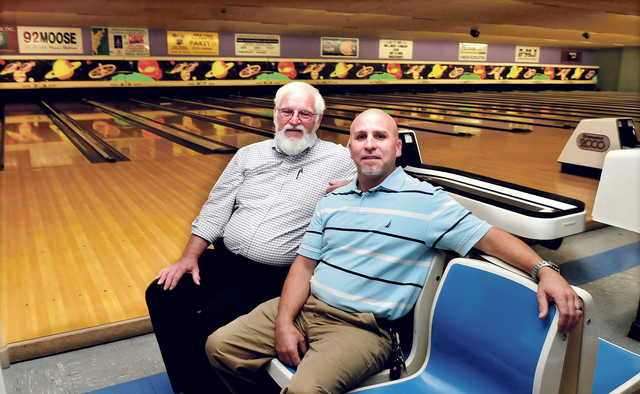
[[192, 43]]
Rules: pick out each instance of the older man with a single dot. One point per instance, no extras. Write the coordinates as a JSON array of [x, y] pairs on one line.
[[361, 266], [255, 215]]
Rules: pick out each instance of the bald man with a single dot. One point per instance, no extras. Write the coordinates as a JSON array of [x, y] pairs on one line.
[[360, 268]]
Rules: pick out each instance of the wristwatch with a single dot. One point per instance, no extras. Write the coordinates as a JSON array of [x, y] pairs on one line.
[[543, 263]]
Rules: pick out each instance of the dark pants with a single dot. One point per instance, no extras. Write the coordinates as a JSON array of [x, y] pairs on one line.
[[183, 318]]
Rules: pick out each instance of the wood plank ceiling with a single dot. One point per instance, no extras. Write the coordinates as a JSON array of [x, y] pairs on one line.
[[559, 23]]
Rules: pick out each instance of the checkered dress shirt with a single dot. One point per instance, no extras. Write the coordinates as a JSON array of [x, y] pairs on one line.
[[263, 201]]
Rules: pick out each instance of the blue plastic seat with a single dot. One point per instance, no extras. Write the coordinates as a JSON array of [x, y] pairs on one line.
[[617, 370], [282, 374], [486, 337]]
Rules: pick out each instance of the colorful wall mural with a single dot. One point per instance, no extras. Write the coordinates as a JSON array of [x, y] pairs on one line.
[[33, 73]]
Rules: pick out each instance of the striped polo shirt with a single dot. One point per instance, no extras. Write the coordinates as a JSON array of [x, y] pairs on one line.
[[374, 248]]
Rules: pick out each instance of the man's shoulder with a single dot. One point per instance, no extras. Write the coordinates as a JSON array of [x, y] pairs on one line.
[[414, 184], [331, 148], [258, 146]]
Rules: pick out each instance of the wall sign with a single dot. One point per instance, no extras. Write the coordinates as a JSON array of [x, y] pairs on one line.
[[8, 39], [395, 49], [257, 45], [38, 39], [128, 41], [192, 43], [472, 51], [527, 54], [339, 47]]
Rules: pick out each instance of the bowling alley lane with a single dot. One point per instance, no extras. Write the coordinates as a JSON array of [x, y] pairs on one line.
[[601, 103], [215, 132], [341, 118], [539, 103], [32, 140], [261, 118], [507, 115], [486, 108], [132, 141], [407, 119], [452, 101], [488, 120]]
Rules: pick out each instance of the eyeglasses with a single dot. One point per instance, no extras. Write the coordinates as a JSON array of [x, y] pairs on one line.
[[303, 115]]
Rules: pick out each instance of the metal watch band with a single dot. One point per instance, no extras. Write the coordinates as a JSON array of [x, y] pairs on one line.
[[543, 263]]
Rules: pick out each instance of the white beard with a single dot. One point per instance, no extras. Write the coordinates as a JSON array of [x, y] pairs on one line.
[[293, 146]]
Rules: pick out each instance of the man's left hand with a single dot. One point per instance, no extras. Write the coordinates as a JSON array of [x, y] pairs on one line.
[[333, 185], [553, 287]]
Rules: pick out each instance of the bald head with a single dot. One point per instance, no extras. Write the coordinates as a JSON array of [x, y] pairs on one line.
[[375, 117]]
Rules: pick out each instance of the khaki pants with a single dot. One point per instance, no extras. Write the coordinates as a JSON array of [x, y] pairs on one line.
[[343, 348]]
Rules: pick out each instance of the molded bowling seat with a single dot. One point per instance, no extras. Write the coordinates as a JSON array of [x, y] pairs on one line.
[[617, 370], [486, 337], [282, 374]]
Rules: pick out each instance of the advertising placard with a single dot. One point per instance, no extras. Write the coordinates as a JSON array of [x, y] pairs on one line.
[[257, 45], [192, 43], [100, 41], [527, 54], [339, 47], [128, 41], [396, 49], [39, 39], [470, 51], [8, 39]]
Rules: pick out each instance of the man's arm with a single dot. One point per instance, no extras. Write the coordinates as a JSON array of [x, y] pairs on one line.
[[187, 263], [208, 225], [290, 344], [333, 185], [552, 286]]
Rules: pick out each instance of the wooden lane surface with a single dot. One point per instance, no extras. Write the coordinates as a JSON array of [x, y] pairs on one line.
[[79, 244]]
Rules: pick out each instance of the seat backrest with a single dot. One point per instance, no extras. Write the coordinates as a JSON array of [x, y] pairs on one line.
[[486, 336], [421, 322], [282, 374], [617, 370]]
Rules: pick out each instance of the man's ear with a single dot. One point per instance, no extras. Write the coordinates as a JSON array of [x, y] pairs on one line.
[[398, 147]]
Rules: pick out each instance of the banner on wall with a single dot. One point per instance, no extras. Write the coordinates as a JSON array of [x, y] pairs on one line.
[[192, 43], [470, 51], [75, 71], [527, 54], [340, 47], [257, 44], [8, 39], [396, 49], [128, 41], [39, 39]]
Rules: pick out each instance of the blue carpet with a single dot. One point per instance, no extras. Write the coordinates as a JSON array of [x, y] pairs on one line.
[[588, 269], [154, 384]]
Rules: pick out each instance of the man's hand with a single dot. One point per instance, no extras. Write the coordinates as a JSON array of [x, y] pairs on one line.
[[553, 287], [171, 275], [290, 344], [333, 185]]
